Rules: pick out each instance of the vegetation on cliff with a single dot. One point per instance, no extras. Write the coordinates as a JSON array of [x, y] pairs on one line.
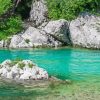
[[69, 9], [10, 23], [12, 12], [10, 27], [4, 6]]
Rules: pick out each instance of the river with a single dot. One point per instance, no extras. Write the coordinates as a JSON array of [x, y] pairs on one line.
[[81, 66]]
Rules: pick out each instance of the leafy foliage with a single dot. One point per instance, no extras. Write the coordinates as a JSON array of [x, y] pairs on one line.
[[69, 9], [4, 5], [21, 65], [10, 27], [9, 24]]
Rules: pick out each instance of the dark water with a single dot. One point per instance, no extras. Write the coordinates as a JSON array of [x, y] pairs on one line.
[[64, 63]]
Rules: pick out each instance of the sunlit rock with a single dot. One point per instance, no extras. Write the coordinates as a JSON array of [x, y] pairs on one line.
[[38, 12], [59, 30], [4, 72], [18, 41], [22, 70], [1, 44], [9, 75], [85, 31]]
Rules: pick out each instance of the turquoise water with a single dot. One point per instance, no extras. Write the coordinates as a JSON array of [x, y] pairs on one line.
[[64, 63]]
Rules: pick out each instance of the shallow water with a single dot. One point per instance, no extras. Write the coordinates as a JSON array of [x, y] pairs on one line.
[[79, 65]]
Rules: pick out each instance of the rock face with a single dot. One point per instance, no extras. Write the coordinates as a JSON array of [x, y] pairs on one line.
[[18, 41], [33, 37], [38, 37], [1, 43], [85, 31], [38, 12], [5, 43], [58, 29], [22, 70], [55, 33]]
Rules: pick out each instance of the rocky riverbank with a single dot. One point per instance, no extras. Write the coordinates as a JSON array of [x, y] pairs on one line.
[[84, 31]]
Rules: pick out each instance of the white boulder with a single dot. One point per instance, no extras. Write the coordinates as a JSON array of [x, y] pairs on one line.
[[18, 41], [26, 75], [9, 75], [37, 37], [38, 12], [58, 29], [85, 31], [1, 44], [15, 69], [19, 72], [4, 72]]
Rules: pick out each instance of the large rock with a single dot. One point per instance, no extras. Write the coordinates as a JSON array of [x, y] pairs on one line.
[[33, 37], [58, 29], [38, 12], [18, 41], [85, 31], [37, 37], [22, 70], [5, 43], [1, 44], [55, 33]]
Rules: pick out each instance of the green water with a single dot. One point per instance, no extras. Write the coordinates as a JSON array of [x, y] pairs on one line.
[[78, 65]]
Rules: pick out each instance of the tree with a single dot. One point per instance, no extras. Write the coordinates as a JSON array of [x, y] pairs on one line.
[[69, 9]]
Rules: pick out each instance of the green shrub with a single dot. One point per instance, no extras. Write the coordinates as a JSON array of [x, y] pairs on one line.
[[30, 65], [10, 27], [21, 65], [69, 9], [4, 5]]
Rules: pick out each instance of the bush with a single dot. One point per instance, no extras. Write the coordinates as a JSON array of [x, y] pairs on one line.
[[10, 27], [69, 9], [4, 5], [21, 65]]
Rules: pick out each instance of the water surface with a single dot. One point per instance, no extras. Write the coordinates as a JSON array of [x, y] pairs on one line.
[[78, 65]]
